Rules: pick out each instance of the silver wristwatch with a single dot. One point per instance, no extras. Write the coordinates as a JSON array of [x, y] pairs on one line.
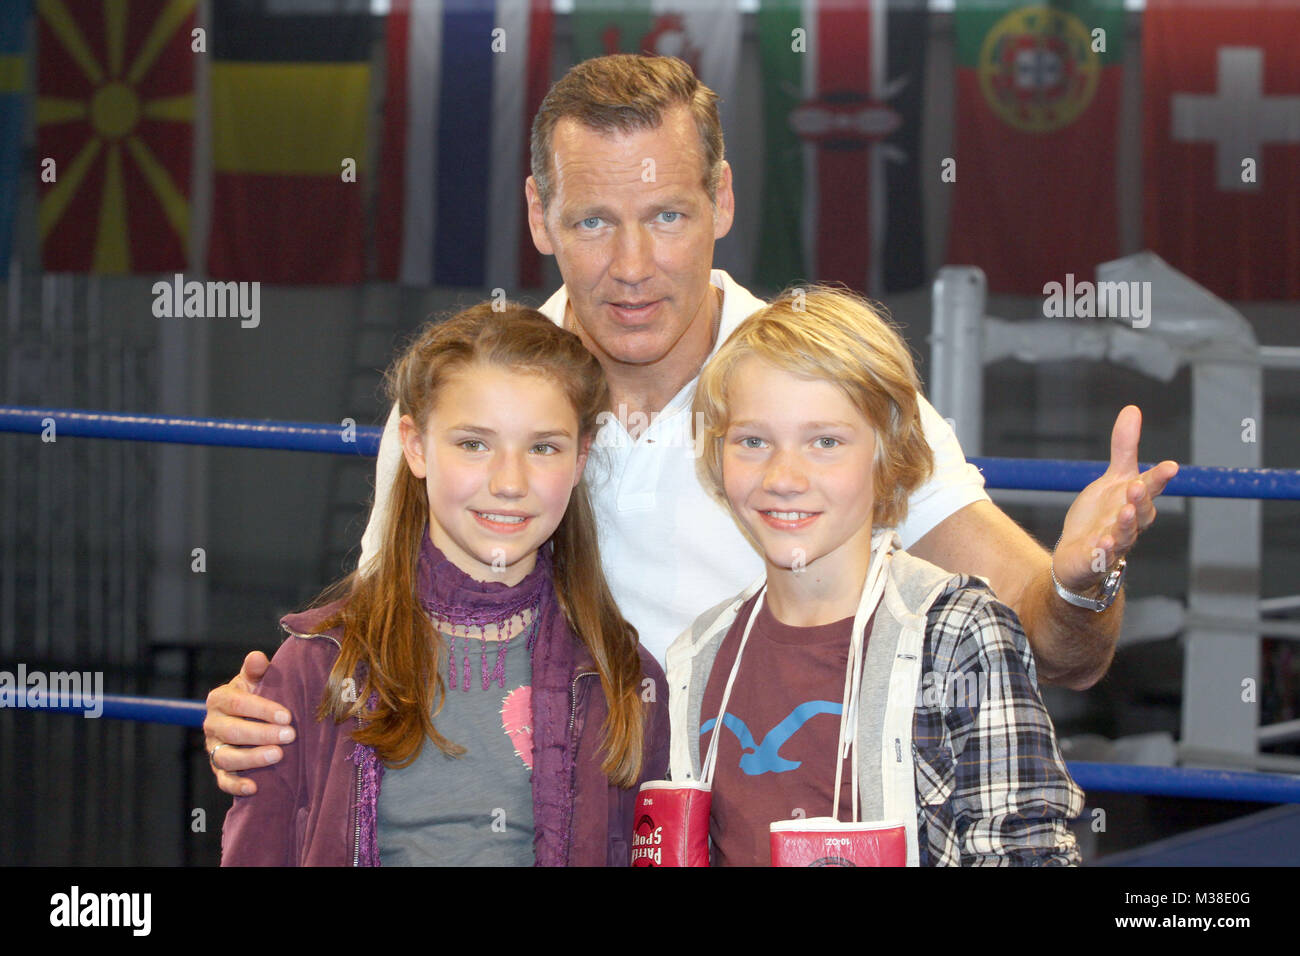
[[1109, 588]]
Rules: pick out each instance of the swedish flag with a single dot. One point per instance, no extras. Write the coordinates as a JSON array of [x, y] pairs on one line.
[[13, 79]]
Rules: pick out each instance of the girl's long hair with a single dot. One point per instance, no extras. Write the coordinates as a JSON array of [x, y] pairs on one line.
[[385, 629]]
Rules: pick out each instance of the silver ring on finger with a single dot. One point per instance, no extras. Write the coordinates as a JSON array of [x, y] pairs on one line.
[[212, 755]]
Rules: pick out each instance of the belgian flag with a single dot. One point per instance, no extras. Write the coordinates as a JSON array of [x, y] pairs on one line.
[[290, 99]]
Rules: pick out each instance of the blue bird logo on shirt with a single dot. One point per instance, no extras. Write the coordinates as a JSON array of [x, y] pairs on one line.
[[764, 757]]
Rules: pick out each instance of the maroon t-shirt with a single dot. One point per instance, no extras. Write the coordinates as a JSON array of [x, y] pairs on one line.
[[776, 756]]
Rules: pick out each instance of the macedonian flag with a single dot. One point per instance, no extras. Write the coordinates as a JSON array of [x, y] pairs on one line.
[[114, 117]]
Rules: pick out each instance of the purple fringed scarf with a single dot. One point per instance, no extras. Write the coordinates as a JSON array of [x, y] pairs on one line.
[[449, 594]]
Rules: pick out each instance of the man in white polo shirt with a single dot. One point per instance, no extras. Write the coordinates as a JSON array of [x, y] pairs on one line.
[[670, 550], [629, 192]]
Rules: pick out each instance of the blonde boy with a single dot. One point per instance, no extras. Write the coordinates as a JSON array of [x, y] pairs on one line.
[[809, 430]]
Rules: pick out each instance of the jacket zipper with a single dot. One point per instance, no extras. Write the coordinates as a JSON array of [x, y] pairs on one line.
[[573, 716], [356, 844], [573, 698]]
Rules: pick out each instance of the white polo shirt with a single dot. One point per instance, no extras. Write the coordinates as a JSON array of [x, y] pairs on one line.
[[669, 549]]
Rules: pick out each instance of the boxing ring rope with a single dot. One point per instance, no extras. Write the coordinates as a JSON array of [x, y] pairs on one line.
[[227, 432], [1104, 777], [145, 710], [1037, 474], [1091, 776], [1032, 474]]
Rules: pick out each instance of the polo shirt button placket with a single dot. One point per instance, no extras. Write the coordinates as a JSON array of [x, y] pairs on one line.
[[638, 483]]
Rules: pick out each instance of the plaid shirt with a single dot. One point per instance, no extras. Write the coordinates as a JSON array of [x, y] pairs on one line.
[[991, 786]]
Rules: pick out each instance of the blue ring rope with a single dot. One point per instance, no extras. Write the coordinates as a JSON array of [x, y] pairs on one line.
[[1100, 777], [1192, 481], [1020, 473], [1186, 782], [149, 710], [229, 432]]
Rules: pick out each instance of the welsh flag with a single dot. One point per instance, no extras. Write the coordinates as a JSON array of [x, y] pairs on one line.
[[842, 86], [115, 115], [706, 35], [1221, 143], [1038, 91]]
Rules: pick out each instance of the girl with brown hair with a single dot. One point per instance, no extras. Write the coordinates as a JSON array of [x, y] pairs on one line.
[[484, 625]]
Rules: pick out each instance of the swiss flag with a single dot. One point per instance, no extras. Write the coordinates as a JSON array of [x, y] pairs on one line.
[[1221, 161]]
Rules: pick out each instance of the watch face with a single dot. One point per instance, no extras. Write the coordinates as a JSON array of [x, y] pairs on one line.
[[1110, 586], [1113, 580]]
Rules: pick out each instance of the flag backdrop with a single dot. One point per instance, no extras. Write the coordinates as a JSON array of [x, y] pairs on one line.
[[13, 77], [464, 80], [1221, 165], [290, 101], [705, 35], [842, 92], [1037, 109], [115, 113]]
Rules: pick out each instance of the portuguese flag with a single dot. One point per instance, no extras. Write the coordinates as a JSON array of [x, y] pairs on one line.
[[115, 115], [1038, 90], [290, 96], [842, 90]]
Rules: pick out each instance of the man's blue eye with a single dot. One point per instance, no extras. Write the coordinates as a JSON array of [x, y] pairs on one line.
[[669, 216], [591, 222]]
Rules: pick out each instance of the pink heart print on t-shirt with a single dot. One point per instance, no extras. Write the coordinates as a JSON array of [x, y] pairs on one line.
[[517, 721]]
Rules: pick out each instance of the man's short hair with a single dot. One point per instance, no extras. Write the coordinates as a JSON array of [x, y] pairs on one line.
[[625, 93], [832, 335]]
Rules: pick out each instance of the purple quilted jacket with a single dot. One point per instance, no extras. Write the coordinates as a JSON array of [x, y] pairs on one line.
[[318, 806]]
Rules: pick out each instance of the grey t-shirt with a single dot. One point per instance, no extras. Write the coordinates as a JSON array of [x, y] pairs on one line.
[[477, 809]]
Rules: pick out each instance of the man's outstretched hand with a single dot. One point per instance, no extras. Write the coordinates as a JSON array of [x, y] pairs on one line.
[[1105, 520], [249, 742]]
